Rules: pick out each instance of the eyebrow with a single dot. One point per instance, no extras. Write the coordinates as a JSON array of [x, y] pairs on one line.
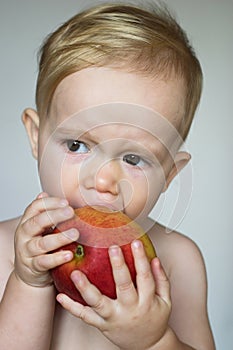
[[76, 134], [70, 132]]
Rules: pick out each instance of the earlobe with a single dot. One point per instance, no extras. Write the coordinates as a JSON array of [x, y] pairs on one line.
[[30, 120], [180, 161]]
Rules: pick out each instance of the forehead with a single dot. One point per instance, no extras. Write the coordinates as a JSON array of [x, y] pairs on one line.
[[96, 86], [99, 96]]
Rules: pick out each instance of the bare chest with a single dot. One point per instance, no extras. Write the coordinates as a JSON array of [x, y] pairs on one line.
[[71, 333]]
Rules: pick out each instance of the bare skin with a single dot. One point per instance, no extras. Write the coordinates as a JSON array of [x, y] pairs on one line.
[[170, 300]]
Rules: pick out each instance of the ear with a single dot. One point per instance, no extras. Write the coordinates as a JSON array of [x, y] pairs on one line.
[[180, 161], [31, 121]]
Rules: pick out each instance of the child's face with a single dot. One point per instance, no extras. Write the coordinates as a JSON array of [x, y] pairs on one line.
[[105, 141]]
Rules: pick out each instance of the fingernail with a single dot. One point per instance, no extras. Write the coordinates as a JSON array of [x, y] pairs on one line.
[[136, 244], [72, 234], [114, 251], [77, 277], [68, 256], [41, 195], [63, 203], [68, 211], [59, 298]]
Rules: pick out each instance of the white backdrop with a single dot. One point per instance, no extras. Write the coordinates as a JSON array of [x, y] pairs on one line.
[[209, 24]]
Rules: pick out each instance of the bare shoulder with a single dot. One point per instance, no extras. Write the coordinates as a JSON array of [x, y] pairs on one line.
[[183, 263], [7, 232], [175, 250]]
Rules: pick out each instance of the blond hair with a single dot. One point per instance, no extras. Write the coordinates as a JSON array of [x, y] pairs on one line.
[[148, 42]]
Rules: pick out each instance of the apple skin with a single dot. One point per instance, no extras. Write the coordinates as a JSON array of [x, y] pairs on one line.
[[99, 228]]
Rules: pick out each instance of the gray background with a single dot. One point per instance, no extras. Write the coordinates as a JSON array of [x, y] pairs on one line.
[[209, 24]]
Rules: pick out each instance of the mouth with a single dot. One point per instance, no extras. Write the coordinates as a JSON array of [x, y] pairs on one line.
[[102, 204], [106, 207]]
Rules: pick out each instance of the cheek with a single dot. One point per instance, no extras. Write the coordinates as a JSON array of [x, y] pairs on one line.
[[50, 176], [69, 180], [55, 175], [145, 191]]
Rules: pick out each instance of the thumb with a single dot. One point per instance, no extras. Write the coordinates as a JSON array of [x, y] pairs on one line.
[[161, 281]]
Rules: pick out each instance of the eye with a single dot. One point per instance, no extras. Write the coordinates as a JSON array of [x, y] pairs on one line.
[[77, 146], [133, 159]]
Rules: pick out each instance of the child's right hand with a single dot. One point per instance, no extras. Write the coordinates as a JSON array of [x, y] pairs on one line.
[[32, 263]]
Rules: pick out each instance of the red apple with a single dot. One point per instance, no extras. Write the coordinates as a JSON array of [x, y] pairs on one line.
[[99, 228]]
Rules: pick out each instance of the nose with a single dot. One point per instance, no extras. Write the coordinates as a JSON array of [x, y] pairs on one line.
[[107, 178], [104, 178]]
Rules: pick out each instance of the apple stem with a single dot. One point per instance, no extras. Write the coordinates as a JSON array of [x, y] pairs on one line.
[[79, 251]]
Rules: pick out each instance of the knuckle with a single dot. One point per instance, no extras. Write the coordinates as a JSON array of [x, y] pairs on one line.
[[34, 264], [27, 227], [99, 305], [41, 245], [32, 207], [145, 275], [35, 221], [40, 222], [39, 263], [82, 314], [47, 218], [62, 239], [125, 286], [118, 264]]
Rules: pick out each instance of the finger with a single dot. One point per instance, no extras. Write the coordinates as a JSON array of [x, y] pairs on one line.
[[85, 313], [47, 262], [42, 195], [145, 279], [125, 289], [39, 223], [41, 245], [161, 281], [100, 303], [43, 203]]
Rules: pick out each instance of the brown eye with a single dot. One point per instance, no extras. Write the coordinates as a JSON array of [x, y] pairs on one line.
[[132, 159], [77, 146]]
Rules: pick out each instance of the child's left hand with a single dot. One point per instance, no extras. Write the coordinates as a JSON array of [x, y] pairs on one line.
[[138, 318]]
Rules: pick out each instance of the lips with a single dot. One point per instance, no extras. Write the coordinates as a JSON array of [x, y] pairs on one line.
[[105, 206], [90, 197]]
